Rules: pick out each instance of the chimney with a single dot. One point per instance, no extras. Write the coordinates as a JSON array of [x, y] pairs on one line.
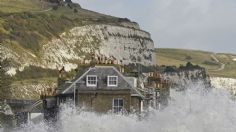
[[61, 71], [122, 69], [99, 60], [112, 61], [106, 60]]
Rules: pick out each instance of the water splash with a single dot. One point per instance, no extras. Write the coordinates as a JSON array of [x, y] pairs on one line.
[[5, 108], [196, 109]]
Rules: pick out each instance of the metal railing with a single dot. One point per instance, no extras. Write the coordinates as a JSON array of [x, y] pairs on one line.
[[15, 101]]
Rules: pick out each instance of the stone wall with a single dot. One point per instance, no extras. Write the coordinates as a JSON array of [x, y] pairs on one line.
[[135, 105], [102, 102]]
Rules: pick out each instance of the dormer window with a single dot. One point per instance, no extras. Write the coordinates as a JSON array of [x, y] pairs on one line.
[[112, 81], [91, 81]]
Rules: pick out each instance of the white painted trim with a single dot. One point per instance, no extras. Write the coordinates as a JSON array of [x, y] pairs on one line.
[[118, 103], [142, 108], [91, 85], [111, 85], [74, 83], [129, 83], [102, 67]]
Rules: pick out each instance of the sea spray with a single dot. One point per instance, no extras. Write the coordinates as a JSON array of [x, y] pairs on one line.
[[196, 109]]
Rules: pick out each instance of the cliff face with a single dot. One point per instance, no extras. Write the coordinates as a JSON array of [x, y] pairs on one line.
[[224, 83], [183, 79], [34, 44], [125, 44]]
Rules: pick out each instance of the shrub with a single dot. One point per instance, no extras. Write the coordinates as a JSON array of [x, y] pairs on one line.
[[188, 57], [75, 11], [33, 72], [55, 7]]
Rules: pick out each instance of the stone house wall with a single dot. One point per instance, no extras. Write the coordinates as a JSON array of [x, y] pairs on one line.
[[101, 101], [135, 105]]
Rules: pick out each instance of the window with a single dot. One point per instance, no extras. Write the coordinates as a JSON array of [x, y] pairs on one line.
[[112, 81], [118, 105], [91, 80]]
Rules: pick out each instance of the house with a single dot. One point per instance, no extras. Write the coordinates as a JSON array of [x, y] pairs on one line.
[[159, 87], [100, 89]]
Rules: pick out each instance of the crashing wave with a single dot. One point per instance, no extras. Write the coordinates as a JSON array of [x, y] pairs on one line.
[[195, 109]]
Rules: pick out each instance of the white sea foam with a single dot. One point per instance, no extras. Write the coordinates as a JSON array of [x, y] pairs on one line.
[[195, 110]]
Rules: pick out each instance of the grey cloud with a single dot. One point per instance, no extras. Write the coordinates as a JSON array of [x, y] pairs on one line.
[[195, 24]]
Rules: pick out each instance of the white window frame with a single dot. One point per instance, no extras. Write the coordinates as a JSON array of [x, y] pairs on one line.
[[113, 105], [112, 85], [87, 81]]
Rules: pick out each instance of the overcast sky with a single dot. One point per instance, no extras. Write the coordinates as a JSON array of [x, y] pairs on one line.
[[193, 24]]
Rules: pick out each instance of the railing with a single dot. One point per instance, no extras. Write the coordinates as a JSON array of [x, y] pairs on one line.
[[15, 101], [36, 103], [25, 105]]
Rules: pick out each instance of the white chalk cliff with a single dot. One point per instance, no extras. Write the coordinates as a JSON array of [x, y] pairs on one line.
[[126, 44], [224, 83]]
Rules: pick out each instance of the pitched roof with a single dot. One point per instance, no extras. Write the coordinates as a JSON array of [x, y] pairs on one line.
[[102, 72]]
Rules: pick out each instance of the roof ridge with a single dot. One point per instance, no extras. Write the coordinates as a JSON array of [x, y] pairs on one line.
[[74, 82], [104, 66]]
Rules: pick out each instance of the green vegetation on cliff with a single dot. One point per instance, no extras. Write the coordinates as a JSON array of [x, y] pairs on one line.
[[31, 23], [22, 5], [26, 25], [5, 82], [217, 64]]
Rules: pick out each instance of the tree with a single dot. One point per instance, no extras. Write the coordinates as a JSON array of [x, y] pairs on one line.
[[189, 65], [170, 69], [188, 58], [75, 11]]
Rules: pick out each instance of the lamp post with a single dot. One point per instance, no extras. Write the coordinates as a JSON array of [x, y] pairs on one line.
[[74, 87], [74, 93]]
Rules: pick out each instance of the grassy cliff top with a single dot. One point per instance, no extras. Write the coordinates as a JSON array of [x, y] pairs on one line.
[[30, 23], [26, 25], [11, 6], [217, 64]]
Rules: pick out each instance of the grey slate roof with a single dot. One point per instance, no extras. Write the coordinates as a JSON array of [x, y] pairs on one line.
[[101, 72]]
